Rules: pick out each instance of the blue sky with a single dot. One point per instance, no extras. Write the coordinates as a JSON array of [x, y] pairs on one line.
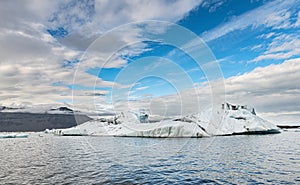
[[236, 51], [68, 52]]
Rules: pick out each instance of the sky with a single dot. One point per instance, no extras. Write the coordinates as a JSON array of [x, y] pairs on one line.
[[171, 57]]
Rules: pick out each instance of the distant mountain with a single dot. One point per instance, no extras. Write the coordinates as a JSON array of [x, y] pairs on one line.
[[38, 109], [63, 109], [8, 108]]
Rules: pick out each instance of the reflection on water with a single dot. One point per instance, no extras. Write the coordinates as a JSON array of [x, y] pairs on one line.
[[256, 159]]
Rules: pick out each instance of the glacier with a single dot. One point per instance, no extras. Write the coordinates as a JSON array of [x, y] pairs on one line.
[[228, 120]]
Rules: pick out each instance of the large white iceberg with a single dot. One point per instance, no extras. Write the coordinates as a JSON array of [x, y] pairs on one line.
[[232, 119], [227, 120]]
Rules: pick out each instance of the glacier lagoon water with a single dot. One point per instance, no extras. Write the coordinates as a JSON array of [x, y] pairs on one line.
[[248, 159]]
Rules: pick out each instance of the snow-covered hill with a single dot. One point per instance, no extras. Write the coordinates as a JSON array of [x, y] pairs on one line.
[[228, 120]]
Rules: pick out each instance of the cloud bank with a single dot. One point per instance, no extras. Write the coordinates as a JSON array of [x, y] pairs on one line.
[[33, 62]]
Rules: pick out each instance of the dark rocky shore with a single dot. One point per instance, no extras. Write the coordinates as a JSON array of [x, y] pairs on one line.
[[21, 122], [288, 126]]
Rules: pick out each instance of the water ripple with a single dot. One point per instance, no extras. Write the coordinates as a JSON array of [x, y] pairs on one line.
[[270, 159]]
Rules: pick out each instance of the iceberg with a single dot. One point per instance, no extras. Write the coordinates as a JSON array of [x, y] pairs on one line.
[[13, 135], [227, 120], [70, 132], [233, 120]]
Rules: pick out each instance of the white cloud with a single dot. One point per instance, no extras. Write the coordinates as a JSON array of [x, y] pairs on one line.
[[298, 20], [116, 13], [23, 15], [267, 35], [212, 5], [277, 56], [283, 43], [282, 46], [108, 15], [270, 79], [274, 14], [142, 88], [18, 47], [256, 47], [272, 89]]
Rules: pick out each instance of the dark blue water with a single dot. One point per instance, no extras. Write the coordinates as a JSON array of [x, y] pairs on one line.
[[271, 159]]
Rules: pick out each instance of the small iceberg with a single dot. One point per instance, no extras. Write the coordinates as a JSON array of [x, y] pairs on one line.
[[70, 132], [13, 135]]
